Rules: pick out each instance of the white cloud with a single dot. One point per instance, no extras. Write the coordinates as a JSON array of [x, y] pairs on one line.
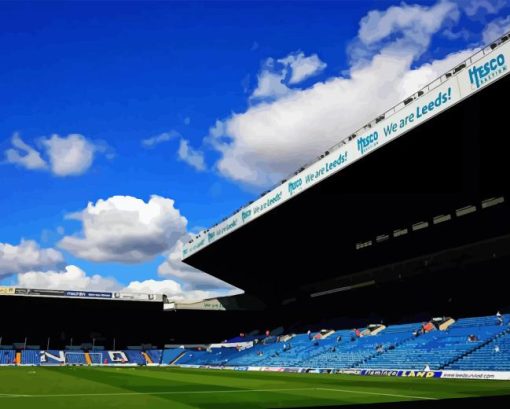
[[496, 29], [191, 156], [24, 155], [191, 278], [71, 155], [163, 137], [412, 21], [272, 139], [126, 229], [275, 77], [173, 290], [65, 156], [270, 82], [302, 67], [473, 7], [404, 30], [71, 278], [27, 256]]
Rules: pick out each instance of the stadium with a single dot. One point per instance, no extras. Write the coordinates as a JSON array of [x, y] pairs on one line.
[[374, 274]]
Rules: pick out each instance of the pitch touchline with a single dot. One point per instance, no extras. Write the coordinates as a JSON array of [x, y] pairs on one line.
[[377, 393], [72, 395]]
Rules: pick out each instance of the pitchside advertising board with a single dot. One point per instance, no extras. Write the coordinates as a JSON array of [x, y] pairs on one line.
[[483, 69], [97, 295], [489, 375]]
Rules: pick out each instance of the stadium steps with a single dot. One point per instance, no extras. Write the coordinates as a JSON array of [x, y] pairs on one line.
[[476, 348], [148, 359], [445, 325], [178, 358], [87, 358], [362, 362]]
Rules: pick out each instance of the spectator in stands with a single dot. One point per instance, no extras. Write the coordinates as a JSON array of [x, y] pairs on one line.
[[496, 349], [309, 333], [339, 339], [427, 367], [357, 332], [333, 349], [428, 327], [499, 317]]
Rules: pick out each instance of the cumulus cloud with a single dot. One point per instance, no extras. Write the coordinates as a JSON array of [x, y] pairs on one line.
[[125, 229], [191, 156], [302, 67], [71, 155], [276, 76], [71, 278], [270, 82], [474, 7], [496, 29], [172, 289], [27, 256], [161, 138], [24, 155], [191, 278], [400, 30], [271, 139], [65, 156]]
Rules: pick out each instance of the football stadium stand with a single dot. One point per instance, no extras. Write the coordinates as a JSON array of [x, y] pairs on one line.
[[169, 356], [30, 357], [153, 356], [7, 357], [466, 344], [135, 357], [463, 345]]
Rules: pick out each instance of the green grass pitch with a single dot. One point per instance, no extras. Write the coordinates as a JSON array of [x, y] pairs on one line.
[[99, 388]]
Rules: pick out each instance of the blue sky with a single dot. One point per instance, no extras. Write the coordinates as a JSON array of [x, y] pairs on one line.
[[202, 104]]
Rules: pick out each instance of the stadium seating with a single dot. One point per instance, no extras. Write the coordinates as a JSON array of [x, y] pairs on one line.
[[135, 357], [75, 358], [7, 357], [96, 357], [493, 355], [30, 357], [437, 348], [170, 355], [395, 347], [51, 357], [477, 343], [155, 355]]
